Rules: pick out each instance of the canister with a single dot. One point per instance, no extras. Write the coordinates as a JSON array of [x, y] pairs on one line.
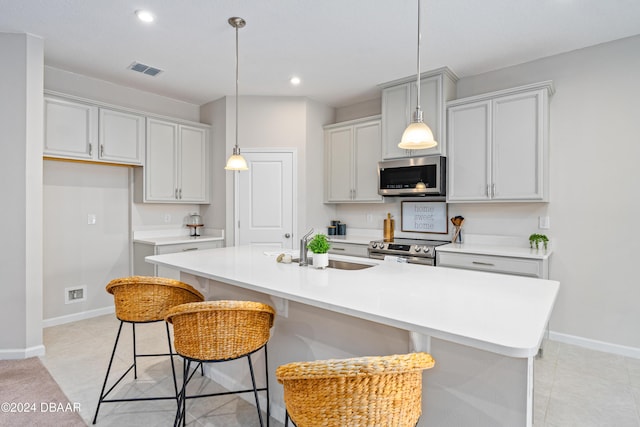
[[331, 230], [342, 229]]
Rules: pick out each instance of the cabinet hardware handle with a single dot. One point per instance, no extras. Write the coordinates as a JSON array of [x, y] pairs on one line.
[[176, 196], [338, 249], [488, 190], [287, 235], [91, 149], [493, 190], [482, 263], [101, 150], [180, 194], [189, 249]]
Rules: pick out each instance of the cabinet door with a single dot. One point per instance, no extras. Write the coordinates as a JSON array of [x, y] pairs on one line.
[[338, 164], [161, 161], [367, 147], [396, 115], [518, 147], [469, 152], [192, 164], [122, 137], [70, 129]]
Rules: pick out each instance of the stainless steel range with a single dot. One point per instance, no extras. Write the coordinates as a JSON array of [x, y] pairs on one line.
[[414, 251]]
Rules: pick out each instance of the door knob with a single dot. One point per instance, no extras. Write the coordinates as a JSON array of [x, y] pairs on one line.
[[287, 235]]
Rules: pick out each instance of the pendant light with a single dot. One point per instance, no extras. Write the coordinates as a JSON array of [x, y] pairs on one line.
[[417, 136], [236, 162]]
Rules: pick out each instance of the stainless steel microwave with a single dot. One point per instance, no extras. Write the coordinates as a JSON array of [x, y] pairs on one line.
[[413, 176]]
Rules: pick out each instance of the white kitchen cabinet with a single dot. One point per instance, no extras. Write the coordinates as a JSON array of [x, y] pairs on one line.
[[352, 152], [70, 129], [84, 131], [142, 250], [350, 249], [176, 164], [121, 137], [497, 264], [399, 104], [498, 146]]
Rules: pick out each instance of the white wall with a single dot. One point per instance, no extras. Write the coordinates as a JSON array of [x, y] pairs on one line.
[[594, 198], [594, 178], [272, 122], [21, 214], [76, 253]]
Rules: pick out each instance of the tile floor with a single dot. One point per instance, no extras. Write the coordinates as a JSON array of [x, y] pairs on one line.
[[77, 355], [573, 386]]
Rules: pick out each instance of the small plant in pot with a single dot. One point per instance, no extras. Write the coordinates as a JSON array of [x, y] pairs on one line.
[[319, 245], [535, 239]]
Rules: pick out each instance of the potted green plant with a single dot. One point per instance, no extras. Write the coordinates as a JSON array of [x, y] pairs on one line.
[[536, 238], [319, 246]]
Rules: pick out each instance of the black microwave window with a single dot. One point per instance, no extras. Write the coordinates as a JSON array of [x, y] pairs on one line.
[[408, 177]]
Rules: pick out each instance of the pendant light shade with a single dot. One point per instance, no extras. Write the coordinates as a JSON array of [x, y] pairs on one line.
[[236, 162], [417, 136]]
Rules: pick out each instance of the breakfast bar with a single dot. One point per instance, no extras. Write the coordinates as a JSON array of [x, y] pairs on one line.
[[483, 329]]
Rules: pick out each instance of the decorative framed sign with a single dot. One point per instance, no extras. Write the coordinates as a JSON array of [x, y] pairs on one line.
[[424, 217]]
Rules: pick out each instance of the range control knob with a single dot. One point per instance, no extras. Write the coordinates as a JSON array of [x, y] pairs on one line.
[[418, 248], [374, 245], [427, 249]]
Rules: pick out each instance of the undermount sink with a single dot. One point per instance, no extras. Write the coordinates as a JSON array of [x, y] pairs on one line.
[[340, 265], [346, 265]]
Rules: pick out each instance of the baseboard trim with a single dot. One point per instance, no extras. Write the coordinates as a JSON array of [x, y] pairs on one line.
[[603, 346], [61, 320], [22, 353]]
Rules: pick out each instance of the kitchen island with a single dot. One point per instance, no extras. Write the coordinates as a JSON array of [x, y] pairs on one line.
[[483, 329]]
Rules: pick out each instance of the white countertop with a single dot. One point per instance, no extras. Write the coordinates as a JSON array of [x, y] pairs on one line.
[[498, 313], [175, 237], [496, 250]]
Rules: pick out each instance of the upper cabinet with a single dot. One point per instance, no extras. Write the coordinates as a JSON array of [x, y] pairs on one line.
[[176, 163], [399, 103], [498, 146], [83, 131], [352, 152]]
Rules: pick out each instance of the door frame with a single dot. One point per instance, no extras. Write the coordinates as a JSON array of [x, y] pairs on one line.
[[294, 189]]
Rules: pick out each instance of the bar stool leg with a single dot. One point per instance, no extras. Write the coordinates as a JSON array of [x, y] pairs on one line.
[[135, 354], [255, 391], [106, 377], [266, 376], [173, 367]]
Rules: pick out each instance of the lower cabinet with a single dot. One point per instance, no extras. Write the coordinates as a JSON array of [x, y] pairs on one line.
[[142, 250], [350, 249], [497, 264]]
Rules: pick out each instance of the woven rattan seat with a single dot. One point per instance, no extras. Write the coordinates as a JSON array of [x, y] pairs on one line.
[[356, 392], [218, 331], [142, 299]]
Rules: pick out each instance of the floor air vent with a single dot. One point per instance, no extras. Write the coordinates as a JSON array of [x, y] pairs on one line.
[[145, 69]]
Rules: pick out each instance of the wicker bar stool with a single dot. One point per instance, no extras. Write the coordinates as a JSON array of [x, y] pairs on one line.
[[357, 392], [219, 331], [142, 299]]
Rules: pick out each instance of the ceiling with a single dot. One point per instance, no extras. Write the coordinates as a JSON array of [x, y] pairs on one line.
[[341, 49]]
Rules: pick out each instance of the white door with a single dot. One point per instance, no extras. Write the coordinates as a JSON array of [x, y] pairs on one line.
[[265, 199]]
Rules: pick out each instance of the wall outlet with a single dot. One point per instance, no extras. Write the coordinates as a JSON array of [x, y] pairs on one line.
[[543, 222], [91, 219], [75, 294], [167, 217]]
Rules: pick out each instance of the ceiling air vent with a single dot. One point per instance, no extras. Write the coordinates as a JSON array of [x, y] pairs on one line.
[[145, 69]]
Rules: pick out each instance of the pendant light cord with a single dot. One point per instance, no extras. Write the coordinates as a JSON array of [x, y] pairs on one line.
[[418, 72], [237, 100]]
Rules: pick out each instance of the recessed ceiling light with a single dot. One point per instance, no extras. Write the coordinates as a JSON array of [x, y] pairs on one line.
[[145, 15], [295, 80]]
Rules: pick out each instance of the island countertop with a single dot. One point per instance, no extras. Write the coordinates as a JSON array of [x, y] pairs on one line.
[[502, 314]]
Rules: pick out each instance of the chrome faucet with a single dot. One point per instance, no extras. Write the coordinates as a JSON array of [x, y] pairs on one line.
[[303, 248]]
